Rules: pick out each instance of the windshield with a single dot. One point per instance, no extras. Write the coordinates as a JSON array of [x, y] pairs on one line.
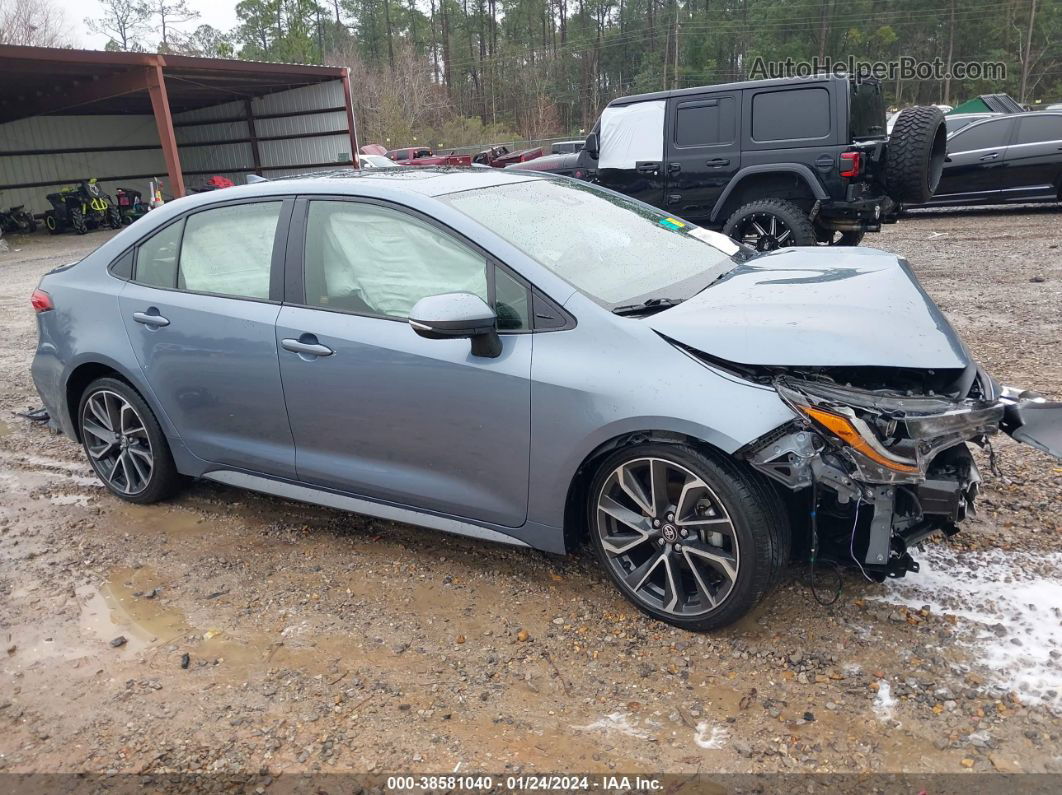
[[611, 248]]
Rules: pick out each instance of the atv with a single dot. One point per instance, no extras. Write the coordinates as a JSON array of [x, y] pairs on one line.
[[130, 204], [80, 207], [17, 220]]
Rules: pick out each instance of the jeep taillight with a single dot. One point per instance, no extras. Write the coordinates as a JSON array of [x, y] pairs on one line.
[[851, 164], [41, 301]]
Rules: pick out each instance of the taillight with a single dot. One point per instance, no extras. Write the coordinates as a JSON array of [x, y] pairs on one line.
[[41, 301], [851, 164]]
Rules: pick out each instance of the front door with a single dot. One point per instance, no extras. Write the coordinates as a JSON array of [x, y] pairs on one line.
[[703, 153], [377, 410], [973, 169], [201, 321], [631, 150]]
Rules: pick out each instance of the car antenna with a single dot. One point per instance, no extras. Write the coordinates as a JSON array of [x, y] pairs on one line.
[[254, 179]]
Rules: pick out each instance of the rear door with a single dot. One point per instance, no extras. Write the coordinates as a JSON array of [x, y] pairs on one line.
[[200, 313], [1032, 166], [973, 168], [703, 151]]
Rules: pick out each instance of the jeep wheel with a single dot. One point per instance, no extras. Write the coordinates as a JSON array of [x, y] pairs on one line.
[[914, 155], [768, 224], [830, 237]]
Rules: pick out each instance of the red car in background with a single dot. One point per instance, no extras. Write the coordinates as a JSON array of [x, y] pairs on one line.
[[423, 156]]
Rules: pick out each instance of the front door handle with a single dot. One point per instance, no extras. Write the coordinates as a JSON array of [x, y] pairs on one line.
[[716, 162], [306, 348], [151, 318], [647, 167], [991, 156]]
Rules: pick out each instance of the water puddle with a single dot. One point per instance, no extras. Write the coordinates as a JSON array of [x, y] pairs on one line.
[[172, 522]]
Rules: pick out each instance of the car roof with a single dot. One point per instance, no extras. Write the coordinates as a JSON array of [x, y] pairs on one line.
[[426, 181], [696, 90]]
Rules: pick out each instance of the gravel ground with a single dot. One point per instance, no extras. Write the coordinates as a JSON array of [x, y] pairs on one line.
[[266, 637]]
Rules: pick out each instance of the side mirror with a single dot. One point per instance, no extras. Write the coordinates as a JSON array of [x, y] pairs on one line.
[[591, 145], [458, 316]]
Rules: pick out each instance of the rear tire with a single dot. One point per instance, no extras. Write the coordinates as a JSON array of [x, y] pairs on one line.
[[769, 224], [689, 538], [914, 154], [114, 218], [125, 445]]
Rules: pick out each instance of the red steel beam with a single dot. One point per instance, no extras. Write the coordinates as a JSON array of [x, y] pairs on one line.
[[160, 103], [349, 102]]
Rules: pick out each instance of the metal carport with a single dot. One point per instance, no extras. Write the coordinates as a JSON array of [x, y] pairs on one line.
[[68, 115]]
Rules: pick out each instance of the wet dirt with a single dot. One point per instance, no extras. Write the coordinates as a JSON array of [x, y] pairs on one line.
[[318, 640]]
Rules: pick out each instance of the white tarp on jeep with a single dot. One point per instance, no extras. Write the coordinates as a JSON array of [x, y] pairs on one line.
[[632, 133]]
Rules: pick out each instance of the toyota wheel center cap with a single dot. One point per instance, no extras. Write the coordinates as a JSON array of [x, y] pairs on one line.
[[670, 533]]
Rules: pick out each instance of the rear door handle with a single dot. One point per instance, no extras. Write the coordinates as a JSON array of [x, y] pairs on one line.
[[306, 348], [151, 318], [674, 168], [716, 162], [990, 156]]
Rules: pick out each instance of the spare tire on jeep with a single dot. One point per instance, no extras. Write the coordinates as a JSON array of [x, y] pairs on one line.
[[914, 155]]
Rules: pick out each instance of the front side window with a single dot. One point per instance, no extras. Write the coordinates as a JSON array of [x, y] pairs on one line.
[[706, 122], [613, 249], [375, 260], [229, 250], [986, 135], [156, 258]]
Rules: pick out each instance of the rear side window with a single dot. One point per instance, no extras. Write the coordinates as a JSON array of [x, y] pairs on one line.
[[705, 122], [986, 135], [229, 250], [156, 259], [1037, 129], [798, 114]]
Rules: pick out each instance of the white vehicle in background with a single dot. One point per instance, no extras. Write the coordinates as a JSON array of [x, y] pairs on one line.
[[376, 161]]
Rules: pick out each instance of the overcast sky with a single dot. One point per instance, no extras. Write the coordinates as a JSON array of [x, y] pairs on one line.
[[219, 13]]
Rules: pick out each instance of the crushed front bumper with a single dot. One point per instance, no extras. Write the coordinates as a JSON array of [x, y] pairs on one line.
[[906, 457]]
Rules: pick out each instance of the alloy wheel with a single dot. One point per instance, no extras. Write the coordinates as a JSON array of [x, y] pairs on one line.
[[117, 442], [765, 232], [667, 536]]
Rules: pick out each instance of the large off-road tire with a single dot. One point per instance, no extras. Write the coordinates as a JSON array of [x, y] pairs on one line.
[[77, 221], [767, 224], [689, 537], [914, 155], [124, 443], [114, 218], [51, 223]]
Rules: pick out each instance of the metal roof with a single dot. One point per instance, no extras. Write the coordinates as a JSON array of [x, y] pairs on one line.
[[44, 80]]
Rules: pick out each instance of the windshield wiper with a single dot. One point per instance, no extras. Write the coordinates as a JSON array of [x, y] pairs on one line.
[[646, 307]]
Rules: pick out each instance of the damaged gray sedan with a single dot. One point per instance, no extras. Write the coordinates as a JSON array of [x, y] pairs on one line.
[[535, 361]]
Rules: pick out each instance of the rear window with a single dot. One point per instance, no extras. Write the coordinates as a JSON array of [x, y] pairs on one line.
[[1037, 129], [705, 122], [796, 114]]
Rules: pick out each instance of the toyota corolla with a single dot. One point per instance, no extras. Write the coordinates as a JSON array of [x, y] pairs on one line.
[[530, 360]]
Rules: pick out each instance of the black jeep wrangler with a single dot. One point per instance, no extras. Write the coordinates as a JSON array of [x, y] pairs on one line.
[[786, 162]]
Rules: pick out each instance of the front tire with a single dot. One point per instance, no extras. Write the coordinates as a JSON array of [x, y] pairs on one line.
[[769, 224], [77, 221], [690, 539], [124, 443]]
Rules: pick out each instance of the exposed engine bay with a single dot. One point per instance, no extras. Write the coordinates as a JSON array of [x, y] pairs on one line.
[[889, 465]]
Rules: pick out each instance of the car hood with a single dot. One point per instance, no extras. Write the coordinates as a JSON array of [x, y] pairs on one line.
[[817, 307]]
